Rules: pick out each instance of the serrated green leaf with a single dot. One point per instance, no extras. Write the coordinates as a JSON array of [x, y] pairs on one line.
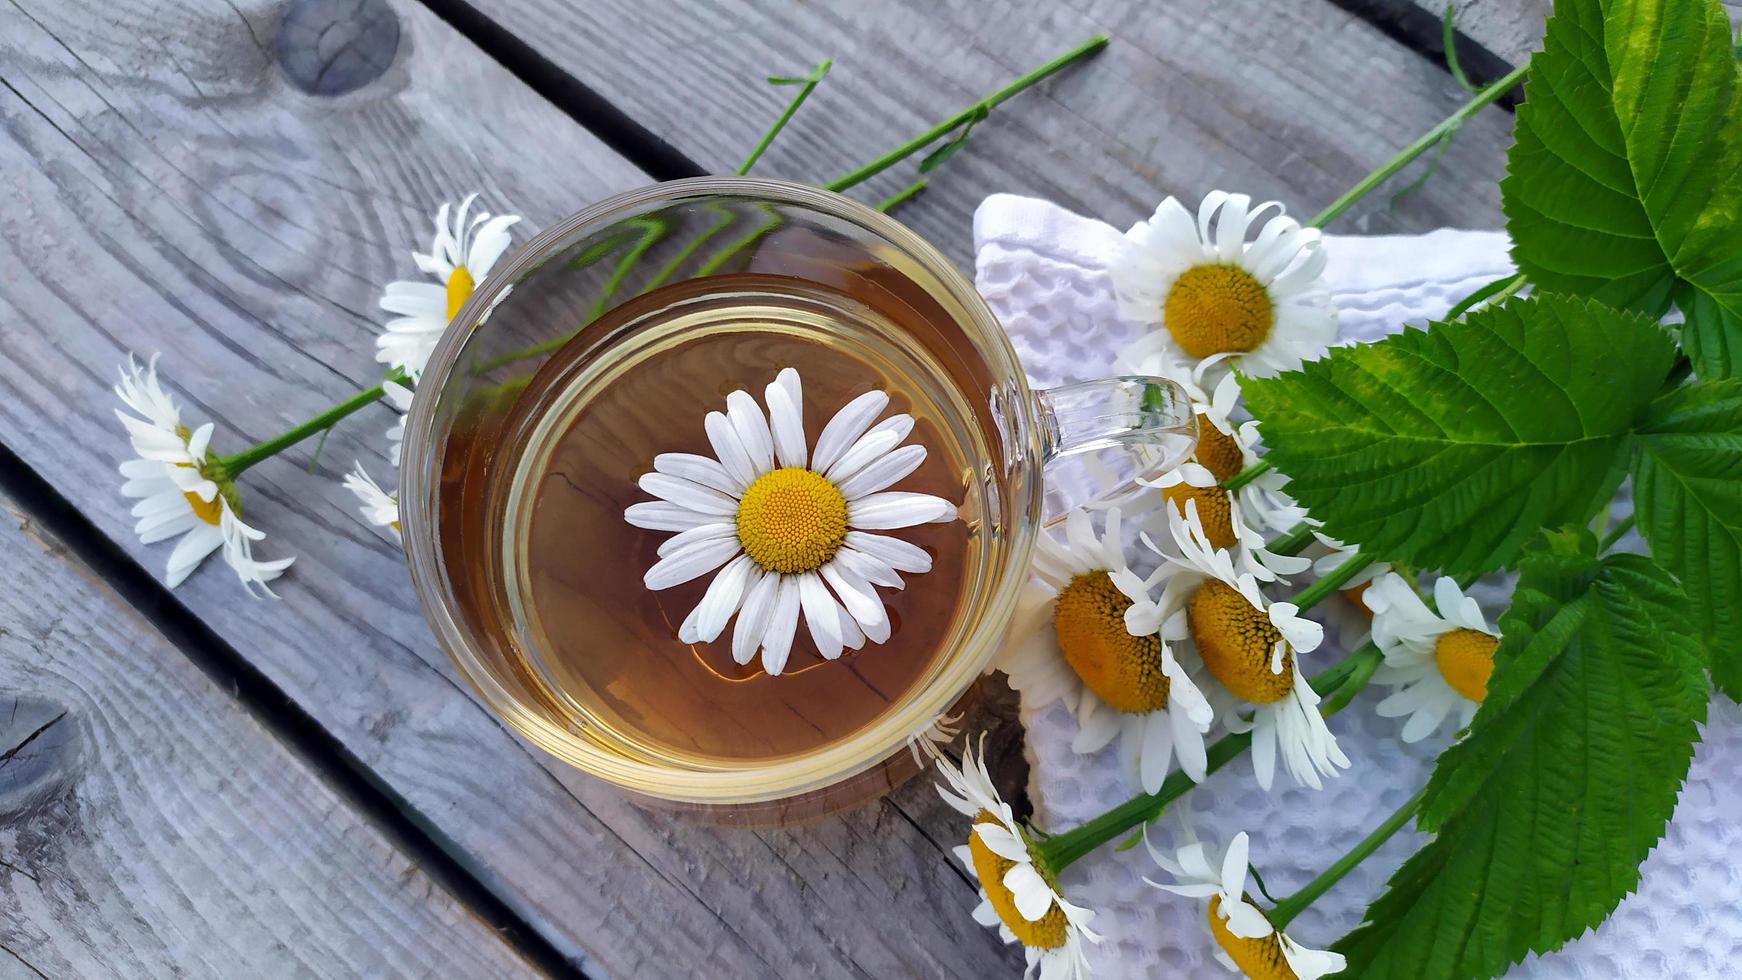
[[1565, 781], [1625, 177], [1449, 448], [1687, 495], [1712, 335]]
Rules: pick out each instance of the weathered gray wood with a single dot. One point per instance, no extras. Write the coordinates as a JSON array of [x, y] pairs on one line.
[[149, 826], [1294, 100], [1511, 29], [177, 194]]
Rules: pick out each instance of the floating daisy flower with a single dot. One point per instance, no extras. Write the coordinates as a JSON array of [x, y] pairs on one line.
[[1074, 641], [1017, 895], [1248, 645], [1249, 943], [1439, 663], [460, 257], [791, 525], [380, 508], [1258, 305], [181, 489]]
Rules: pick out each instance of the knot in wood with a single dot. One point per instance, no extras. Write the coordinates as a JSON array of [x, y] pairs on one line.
[[330, 47]]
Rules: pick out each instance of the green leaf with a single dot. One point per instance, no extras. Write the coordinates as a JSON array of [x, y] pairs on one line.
[[936, 158], [1449, 448], [1625, 177], [1687, 494], [1712, 335], [1565, 781]]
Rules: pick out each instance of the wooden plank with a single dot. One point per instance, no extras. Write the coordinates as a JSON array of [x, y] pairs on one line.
[[1295, 101], [175, 193], [149, 826], [1511, 29]]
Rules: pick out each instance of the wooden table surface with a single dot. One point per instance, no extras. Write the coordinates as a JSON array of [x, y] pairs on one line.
[[197, 783]]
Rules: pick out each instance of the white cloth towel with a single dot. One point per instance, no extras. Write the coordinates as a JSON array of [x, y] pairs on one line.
[[1043, 271]]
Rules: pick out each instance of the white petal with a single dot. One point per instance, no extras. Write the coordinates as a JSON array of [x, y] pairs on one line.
[[894, 509], [190, 551], [696, 469], [1156, 753], [721, 600], [782, 625], [882, 472], [857, 595], [846, 427], [786, 418], [870, 447], [753, 618], [1234, 864], [1033, 896], [869, 569], [752, 429], [821, 614], [706, 532], [692, 495], [1246, 921], [852, 637], [730, 450], [903, 556], [662, 515], [690, 562]]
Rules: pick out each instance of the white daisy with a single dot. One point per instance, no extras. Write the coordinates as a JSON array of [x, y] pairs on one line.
[[1072, 639], [181, 489], [1218, 618], [1438, 663], [1348, 615], [1017, 895], [459, 258], [1259, 305], [399, 399], [1248, 943], [380, 508], [791, 525]]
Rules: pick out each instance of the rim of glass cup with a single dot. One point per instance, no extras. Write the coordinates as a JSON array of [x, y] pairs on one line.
[[783, 778]]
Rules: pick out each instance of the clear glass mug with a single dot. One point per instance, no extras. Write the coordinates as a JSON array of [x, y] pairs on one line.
[[564, 290]]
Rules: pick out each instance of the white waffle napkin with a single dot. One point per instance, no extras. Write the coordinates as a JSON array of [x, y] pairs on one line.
[[1043, 271]]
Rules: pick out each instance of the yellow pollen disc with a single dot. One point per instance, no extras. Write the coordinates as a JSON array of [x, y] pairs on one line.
[[1215, 510], [1235, 641], [1259, 959], [1466, 658], [1217, 309], [210, 511], [791, 520], [1049, 932], [1356, 595], [1217, 451], [1123, 670], [460, 286]]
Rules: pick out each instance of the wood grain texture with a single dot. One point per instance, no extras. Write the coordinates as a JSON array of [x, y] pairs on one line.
[[1295, 101], [177, 194], [150, 827]]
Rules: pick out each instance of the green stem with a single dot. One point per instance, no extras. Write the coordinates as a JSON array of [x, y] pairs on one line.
[[234, 466], [1621, 527], [1497, 290], [1247, 475], [810, 84], [1292, 541], [902, 196], [1060, 850], [1313, 594], [986, 104], [1422, 144], [1293, 905]]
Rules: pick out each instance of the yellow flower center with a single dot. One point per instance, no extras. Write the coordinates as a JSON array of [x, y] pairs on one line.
[[1235, 639], [990, 868], [791, 520], [211, 511], [1259, 959], [1466, 658], [1217, 451], [1217, 309], [1123, 670], [1215, 510], [460, 286]]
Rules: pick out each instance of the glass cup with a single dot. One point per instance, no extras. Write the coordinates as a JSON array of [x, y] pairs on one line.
[[578, 292]]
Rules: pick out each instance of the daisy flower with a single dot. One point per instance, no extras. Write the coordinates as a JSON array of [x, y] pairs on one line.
[[380, 508], [791, 525], [1438, 662], [461, 256], [1247, 645], [1017, 895], [181, 488], [1073, 641], [1259, 305], [1248, 943], [1350, 617]]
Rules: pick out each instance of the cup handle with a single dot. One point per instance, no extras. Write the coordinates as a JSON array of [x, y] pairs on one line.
[[1150, 418]]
